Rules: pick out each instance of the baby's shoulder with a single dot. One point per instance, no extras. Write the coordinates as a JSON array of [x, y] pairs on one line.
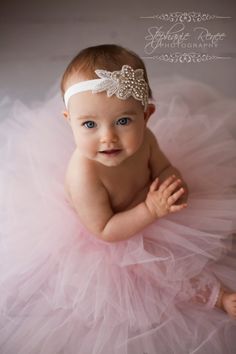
[[150, 141], [150, 137], [79, 167], [78, 173]]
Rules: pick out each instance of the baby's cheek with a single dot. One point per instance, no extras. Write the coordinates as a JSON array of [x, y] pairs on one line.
[[136, 138], [84, 142]]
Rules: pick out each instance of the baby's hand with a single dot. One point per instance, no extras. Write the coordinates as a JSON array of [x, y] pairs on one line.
[[160, 201]]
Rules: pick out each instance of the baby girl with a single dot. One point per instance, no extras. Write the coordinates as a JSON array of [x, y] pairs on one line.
[[118, 180]]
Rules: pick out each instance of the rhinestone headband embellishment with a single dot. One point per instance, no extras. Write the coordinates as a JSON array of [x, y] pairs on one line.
[[124, 83]]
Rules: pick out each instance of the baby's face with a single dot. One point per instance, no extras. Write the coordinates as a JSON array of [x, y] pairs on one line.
[[107, 130]]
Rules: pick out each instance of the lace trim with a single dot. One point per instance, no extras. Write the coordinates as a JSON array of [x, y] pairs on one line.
[[203, 289]]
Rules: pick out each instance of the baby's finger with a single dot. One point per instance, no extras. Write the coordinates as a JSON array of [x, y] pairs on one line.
[[175, 208], [154, 185], [172, 187], [166, 183], [172, 199]]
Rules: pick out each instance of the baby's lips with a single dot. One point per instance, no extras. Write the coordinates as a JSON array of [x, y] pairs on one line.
[[110, 151]]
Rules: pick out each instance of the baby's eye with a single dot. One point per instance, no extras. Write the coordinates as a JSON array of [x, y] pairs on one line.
[[124, 121], [89, 124]]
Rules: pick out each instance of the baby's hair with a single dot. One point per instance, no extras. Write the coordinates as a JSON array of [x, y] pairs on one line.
[[107, 57]]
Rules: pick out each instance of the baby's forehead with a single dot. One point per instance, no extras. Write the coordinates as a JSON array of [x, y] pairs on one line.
[[98, 105]]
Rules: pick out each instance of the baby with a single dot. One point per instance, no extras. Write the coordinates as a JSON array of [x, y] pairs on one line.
[[118, 180]]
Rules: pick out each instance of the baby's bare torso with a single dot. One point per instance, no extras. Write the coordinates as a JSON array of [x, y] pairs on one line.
[[127, 184]]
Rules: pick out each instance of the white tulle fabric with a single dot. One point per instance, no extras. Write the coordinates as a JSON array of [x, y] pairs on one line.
[[63, 291]]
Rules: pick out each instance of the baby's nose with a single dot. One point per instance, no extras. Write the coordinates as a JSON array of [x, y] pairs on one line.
[[109, 136]]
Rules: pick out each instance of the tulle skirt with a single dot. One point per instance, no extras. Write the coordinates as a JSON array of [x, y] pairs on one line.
[[64, 291]]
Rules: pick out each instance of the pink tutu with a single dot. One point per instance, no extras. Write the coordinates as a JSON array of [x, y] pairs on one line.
[[63, 291]]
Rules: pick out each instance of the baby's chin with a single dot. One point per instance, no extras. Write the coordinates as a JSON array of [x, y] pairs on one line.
[[111, 159], [111, 162]]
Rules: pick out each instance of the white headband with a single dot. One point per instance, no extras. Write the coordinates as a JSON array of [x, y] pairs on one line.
[[124, 83]]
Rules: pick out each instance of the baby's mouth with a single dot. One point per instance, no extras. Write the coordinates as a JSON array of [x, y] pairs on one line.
[[110, 152]]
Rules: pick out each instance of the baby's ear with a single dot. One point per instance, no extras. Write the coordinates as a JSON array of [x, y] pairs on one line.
[[149, 111], [66, 115]]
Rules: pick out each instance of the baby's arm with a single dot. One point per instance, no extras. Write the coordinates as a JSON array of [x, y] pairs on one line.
[[161, 167], [91, 202]]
